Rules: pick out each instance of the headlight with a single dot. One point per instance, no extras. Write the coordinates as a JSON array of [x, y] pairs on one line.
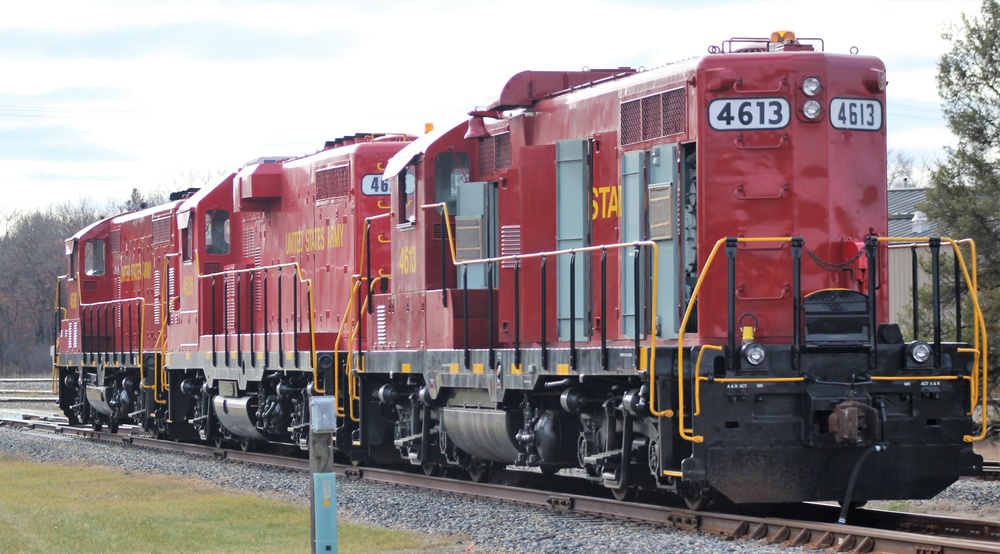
[[920, 352], [754, 353], [812, 109], [811, 86]]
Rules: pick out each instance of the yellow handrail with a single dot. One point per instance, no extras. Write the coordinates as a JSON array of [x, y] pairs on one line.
[[980, 371], [336, 348], [596, 248], [979, 324]]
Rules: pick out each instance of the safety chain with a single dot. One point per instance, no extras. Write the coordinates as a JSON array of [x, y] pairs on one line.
[[834, 266]]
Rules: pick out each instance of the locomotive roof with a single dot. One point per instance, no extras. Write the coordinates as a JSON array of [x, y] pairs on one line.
[[412, 150]]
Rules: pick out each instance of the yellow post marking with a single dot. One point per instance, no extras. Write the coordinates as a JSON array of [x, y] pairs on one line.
[[515, 369], [406, 368], [477, 369], [562, 369], [453, 368], [644, 359]]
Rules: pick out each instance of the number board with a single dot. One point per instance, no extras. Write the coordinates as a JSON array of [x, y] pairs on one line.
[[738, 114], [856, 114], [374, 185]]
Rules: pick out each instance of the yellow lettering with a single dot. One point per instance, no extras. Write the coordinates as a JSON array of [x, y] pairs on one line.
[[335, 235], [613, 202], [595, 207], [408, 260]]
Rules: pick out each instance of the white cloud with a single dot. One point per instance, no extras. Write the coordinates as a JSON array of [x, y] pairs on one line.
[[184, 102]]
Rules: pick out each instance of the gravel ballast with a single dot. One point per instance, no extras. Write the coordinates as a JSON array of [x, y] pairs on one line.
[[473, 525]]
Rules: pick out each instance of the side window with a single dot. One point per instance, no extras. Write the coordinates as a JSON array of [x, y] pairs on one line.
[[450, 170], [217, 232], [407, 195], [71, 258], [93, 257], [187, 242]]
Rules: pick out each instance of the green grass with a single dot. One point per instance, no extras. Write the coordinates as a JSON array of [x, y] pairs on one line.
[[66, 508]]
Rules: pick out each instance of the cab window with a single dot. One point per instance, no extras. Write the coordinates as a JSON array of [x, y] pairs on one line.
[[217, 232], [407, 195], [93, 257], [450, 169]]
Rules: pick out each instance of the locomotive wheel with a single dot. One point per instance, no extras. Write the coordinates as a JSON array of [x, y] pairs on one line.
[[625, 494], [548, 470], [697, 504], [479, 472], [113, 426], [431, 469]]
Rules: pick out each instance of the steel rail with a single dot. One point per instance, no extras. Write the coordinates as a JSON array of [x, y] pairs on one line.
[[896, 532]]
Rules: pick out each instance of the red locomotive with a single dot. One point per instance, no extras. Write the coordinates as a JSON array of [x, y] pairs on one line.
[[672, 279]]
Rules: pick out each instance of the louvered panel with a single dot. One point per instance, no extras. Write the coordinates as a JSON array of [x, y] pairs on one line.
[[231, 304], [156, 296], [381, 327], [510, 243]]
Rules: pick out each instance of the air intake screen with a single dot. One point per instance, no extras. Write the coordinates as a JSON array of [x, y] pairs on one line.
[[652, 117]]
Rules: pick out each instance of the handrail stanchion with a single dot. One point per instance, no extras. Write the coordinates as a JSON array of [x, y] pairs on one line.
[[604, 309], [915, 291], [731, 245], [281, 331], [796, 248], [517, 313], [572, 310], [871, 248], [545, 322], [465, 311], [958, 300], [935, 245], [636, 316], [267, 338]]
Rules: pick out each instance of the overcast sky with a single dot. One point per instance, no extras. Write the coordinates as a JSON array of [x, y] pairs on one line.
[[100, 96]]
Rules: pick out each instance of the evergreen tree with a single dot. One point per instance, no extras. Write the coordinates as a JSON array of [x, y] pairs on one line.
[[964, 193]]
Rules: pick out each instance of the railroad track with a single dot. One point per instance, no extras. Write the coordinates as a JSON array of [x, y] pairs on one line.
[[26, 389], [809, 526]]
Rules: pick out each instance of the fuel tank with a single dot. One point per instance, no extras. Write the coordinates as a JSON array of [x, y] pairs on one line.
[[238, 415]]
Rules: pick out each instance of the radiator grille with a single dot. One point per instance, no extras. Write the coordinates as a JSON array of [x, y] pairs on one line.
[[161, 230], [333, 183], [494, 154], [652, 117]]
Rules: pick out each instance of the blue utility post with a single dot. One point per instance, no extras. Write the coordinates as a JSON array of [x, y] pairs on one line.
[[322, 424]]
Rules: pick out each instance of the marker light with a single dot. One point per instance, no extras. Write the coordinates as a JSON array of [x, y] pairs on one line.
[[754, 353], [920, 352], [812, 109], [811, 86]]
